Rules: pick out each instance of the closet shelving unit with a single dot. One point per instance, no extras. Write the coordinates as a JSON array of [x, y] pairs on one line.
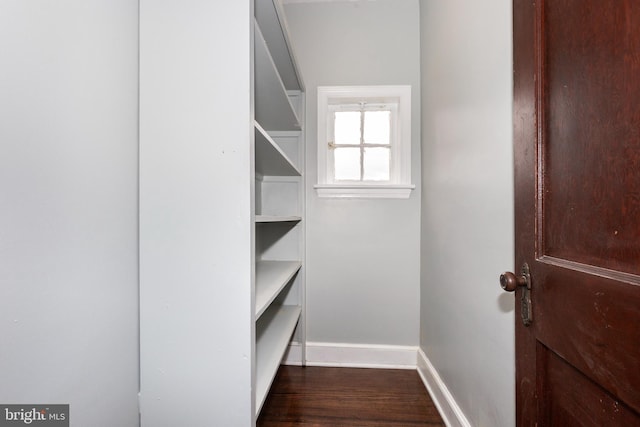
[[222, 221], [279, 197]]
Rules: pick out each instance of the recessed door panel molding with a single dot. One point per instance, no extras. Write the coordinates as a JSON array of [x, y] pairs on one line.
[[589, 130]]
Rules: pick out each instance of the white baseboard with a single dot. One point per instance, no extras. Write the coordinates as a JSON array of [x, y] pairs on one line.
[[353, 355], [442, 398], [293, 355]]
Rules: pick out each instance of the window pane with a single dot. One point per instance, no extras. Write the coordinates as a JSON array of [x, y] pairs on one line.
[[376, 164], [347, 163], [377, 125], [347, 127]]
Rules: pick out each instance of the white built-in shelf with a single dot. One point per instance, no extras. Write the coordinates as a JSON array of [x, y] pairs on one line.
[[273, 109], [278, 101], [271, 278], [273, 332], [262, 219], [273, 24], [270, 159]]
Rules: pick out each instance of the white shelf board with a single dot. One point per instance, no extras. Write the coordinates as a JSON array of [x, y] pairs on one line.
[[271, 278], [273, 334], [273, 108], [272, 21], [270, 159], [276, 218]]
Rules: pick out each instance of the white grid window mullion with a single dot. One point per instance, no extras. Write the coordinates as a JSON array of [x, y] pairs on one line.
[[362, 141]]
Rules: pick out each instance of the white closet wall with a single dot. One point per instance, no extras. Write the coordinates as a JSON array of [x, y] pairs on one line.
[[467, 214], [363, 263], [68, 207]]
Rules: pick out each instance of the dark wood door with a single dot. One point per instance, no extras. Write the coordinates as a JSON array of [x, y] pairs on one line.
[[577, 165]]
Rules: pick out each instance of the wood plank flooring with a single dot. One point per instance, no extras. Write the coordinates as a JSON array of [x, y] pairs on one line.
[[341, 397]]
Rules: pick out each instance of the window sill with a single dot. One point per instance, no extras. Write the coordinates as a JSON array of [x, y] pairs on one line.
[[366, 191]]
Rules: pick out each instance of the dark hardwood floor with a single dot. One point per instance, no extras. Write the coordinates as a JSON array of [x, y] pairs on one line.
[[337, 397]]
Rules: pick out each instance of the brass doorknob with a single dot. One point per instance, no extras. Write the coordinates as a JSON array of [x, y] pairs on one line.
[[510, 281]]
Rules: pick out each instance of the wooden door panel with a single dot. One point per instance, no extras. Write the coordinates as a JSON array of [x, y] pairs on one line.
[[590, 69], [570, 399], [577, 207], [586, 319]]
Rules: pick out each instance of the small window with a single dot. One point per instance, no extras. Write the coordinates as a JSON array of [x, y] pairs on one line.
[[360, 142], [364, 141]]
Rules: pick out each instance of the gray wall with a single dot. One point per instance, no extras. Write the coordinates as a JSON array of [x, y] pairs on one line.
[[195, 213], [467, 227], [362, 255], [68, 207]]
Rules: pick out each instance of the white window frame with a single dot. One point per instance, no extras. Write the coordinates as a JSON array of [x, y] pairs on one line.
[[396, 98]]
